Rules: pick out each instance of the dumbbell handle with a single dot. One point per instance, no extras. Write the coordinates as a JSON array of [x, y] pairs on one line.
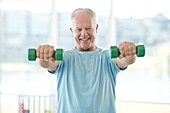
[[58, 54], [114, 51]]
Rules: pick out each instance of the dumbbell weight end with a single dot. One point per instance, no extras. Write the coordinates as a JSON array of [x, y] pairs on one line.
[[32, 54], [58, 54], [140, 50], [114, 52]]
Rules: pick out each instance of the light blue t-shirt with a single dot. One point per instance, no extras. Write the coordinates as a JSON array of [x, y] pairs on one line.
[[86, 82]]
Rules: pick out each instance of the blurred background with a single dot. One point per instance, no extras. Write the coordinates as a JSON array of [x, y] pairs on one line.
[[27, 88]]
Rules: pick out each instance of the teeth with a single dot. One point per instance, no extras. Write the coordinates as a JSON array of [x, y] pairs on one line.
[[85, 39]]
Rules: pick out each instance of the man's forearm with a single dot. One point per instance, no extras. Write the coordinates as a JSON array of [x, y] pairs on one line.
[[124, 62], [130, 59], [49, 65]]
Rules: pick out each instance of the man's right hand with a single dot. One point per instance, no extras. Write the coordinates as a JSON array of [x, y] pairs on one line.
[[46, 59], [45, 52]]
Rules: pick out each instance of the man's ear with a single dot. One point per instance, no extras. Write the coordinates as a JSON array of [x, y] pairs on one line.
[[96, 28], [71, 29]]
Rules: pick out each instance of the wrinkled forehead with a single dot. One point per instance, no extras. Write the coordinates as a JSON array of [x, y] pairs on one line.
[[83, 10], [83, 19]]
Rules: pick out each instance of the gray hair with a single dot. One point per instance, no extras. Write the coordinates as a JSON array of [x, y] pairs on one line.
[[84, 10]]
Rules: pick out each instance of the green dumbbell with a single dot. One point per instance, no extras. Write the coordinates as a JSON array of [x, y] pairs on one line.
[[114, 51], [58, 54]]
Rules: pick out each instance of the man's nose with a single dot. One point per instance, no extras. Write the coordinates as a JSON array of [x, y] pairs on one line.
[[84, 32]]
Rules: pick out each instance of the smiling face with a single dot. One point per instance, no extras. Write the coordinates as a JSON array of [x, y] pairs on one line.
[[84, 29]]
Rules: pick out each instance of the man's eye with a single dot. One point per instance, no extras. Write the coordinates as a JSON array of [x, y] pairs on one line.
[[78, 29], [89, 28]]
